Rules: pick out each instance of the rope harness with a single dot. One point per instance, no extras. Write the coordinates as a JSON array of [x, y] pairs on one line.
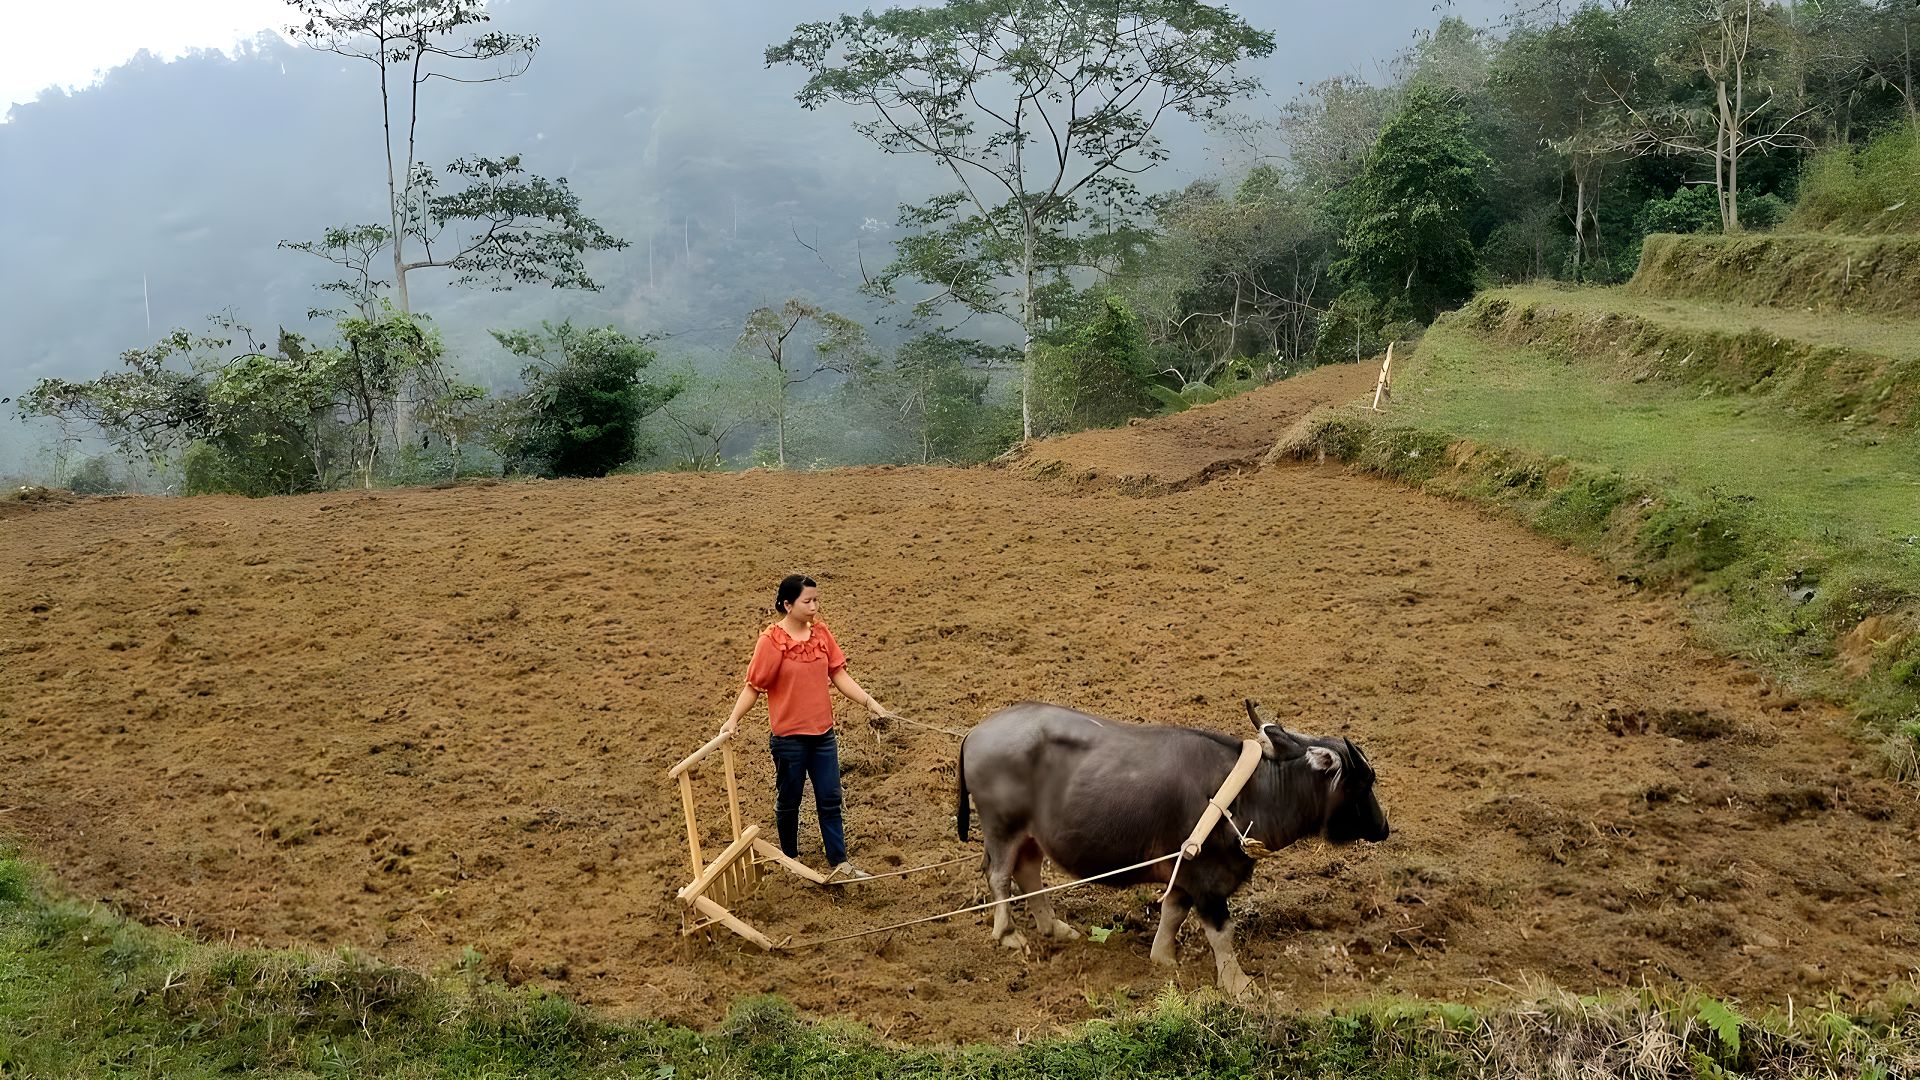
[[1217, 807]]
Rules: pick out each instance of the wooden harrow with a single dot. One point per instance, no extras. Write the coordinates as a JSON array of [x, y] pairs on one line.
[[734, 875]]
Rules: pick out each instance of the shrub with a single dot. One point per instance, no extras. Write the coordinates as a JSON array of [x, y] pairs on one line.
[[94, 477], [1092, 372], [1870, 189], [586, 396], [1695, 208]]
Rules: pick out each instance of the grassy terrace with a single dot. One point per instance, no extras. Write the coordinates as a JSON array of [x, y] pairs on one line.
[[1764, 458], [1808, 483]]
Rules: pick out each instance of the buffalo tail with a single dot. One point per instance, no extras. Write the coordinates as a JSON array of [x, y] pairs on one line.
[[962, 812]]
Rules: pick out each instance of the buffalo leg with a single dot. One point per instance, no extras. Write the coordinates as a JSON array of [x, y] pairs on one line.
[[1173, 912], [1003, 852], [1219, 927], [1026, 874]]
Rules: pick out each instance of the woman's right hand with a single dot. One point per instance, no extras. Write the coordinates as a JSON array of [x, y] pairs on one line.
[[728, 727]]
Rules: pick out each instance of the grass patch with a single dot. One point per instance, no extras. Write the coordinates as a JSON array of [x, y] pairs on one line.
[[84, 994], [1858, 371], [1802, 545], [1818, 271]]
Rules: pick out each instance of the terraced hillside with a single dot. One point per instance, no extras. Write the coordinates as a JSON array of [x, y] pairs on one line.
[[1739, 420]]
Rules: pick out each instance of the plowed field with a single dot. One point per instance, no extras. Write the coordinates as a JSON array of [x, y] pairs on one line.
[[414, 721]]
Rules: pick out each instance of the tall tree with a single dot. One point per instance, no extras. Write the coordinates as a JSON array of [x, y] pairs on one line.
[[1406, 237], [1856, 45], [1330, 127], [504, 225], [1035, 108], [1731, 50], [1554, 81], [1234, 273], [797, 341]]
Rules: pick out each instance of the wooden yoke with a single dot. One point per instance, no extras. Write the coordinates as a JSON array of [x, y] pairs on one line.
[[1229, 790]]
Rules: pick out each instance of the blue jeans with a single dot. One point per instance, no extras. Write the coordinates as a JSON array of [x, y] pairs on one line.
[[795, 758]]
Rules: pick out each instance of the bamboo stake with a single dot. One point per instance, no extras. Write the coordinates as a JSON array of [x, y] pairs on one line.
[[1384, 389]]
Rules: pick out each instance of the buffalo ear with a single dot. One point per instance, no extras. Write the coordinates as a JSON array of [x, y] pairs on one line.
[[1323, 759]]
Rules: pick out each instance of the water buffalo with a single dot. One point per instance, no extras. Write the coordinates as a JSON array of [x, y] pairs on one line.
[[1094, 795]]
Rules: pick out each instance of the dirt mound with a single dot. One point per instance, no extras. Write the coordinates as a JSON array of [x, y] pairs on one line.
[[26, 500], [1171, 453], [423, 720]]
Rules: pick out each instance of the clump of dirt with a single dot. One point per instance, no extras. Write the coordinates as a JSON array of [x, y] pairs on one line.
[[420, 721], [26, 500]]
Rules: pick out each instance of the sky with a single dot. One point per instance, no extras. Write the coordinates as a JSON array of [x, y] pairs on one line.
[[68, 44]]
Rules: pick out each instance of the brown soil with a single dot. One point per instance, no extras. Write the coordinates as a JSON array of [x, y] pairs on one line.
[[419, 720], [1170, 453]]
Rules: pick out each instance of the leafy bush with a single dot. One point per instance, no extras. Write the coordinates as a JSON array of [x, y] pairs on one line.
[[1350, 330], [1092, 371], [1695, 208], [586, 396], [94, 477], [1870, 189], [1763, 211]]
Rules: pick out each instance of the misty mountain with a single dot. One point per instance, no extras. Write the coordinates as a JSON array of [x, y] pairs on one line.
[[157, 197]]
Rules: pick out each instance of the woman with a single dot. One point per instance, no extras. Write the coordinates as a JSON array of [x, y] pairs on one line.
[[794, 662]]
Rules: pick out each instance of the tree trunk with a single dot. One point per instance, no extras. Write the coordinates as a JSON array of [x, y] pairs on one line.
[[1721, 132], [318, 451], [1579, 220], [1913, 108], [780, 420], [1026, 331], [1233, 329]]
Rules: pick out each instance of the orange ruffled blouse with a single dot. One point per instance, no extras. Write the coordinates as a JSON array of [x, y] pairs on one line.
[[796, 676]]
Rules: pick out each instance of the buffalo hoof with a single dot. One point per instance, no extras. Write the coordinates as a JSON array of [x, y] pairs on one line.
[[1164, 957], [1062, 932], [1015, 940], [1236, 984]]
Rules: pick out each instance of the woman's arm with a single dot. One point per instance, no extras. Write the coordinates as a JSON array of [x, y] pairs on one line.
[[748, 695], [844, 683]]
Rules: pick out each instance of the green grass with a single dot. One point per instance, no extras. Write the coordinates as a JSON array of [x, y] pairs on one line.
[[84, 994], [1788, 533], [1860, 372], [1807, 483], [1822, 271], [1873, 188], [1880, 335]]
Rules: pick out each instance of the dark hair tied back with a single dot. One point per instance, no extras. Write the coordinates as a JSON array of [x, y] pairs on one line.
[[790, 588]]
